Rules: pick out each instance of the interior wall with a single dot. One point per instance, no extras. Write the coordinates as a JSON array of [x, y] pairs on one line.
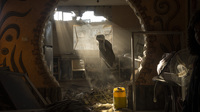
[[123, 21], [125, 17]]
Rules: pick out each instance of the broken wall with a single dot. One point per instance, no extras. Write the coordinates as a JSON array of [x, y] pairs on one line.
[[160, 15], [22, 24]]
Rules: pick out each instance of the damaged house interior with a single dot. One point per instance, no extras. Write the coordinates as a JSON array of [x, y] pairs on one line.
[[95, 55]]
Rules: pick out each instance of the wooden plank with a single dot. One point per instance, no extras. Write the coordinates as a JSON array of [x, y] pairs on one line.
[[36, 91]]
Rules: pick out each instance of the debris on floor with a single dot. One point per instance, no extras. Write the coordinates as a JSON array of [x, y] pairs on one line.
[[98, 107], [97, 100], [68, 106]]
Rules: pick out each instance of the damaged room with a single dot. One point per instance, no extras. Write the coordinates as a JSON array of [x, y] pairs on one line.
[[99, 55]]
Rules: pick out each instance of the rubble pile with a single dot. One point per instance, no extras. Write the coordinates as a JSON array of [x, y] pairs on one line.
[[100, 98], [68, 106]]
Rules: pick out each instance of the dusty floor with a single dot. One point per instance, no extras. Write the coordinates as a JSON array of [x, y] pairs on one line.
[[97, 98]]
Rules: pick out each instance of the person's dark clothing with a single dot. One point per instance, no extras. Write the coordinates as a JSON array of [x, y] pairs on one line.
[[192, 100], [107, 53]]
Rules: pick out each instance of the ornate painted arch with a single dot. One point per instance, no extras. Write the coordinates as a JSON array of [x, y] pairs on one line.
[[21, 29]]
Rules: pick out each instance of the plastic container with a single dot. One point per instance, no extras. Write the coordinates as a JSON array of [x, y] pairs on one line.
[[119, 97]]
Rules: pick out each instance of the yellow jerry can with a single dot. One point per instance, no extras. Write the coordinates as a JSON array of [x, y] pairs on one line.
[[119, 97]]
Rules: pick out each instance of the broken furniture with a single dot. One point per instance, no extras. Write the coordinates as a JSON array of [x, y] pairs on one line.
[[72, 66], [78, 65]]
